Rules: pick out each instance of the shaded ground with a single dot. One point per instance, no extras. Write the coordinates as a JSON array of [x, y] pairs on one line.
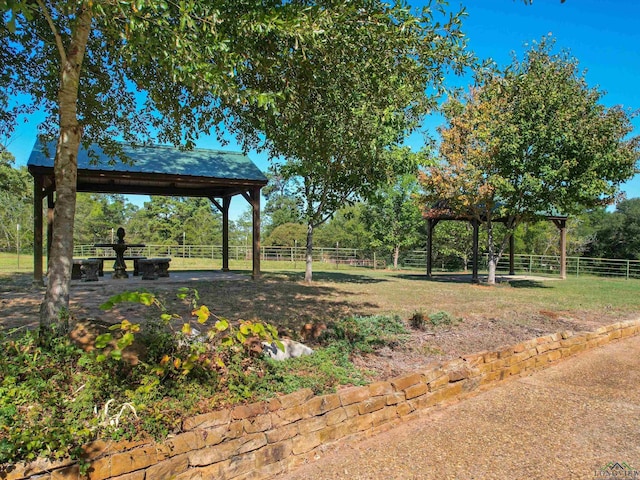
[[486, 317]]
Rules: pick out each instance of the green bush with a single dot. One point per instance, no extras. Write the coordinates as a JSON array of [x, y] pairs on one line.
[[366, 334], [57, 397]]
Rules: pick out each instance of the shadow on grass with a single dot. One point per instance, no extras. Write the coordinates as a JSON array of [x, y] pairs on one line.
[[467, 279], [526, 284], [335, 277], [441, 278]]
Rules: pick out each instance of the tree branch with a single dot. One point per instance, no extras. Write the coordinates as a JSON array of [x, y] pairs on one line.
[[54, 30]]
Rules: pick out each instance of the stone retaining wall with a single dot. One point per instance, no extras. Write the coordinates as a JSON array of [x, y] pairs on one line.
[[260, 440]]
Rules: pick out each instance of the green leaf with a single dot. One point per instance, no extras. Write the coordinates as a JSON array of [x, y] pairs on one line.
[[221, 325], [103, 340]]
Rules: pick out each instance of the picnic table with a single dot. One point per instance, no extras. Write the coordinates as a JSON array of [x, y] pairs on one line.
[[119, 267]]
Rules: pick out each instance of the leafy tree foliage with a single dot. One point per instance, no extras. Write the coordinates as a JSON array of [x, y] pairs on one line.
[[167, 220], [346, 229], [365, 83], [394, 219], [617, 233], [282, 207], [82, 61], [16, 204], [97, 216], [528, 140], [287, 235]]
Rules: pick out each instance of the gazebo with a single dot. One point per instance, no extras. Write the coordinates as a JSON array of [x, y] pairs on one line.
[[441, 212], [151, 170]]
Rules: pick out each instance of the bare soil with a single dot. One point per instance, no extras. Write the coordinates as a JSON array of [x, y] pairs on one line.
[[485, 319]]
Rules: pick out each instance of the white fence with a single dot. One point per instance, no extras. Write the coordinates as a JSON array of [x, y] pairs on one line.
[[416, 259], [536, 264]]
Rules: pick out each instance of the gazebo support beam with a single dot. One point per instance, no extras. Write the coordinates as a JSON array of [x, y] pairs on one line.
[[50, 209], [253, 197], [431, 225], [476, 241], [562, 226], [37, 230]]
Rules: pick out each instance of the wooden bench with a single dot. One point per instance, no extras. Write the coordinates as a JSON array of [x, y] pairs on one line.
[[152, 268], [135, 259], [85, 269]]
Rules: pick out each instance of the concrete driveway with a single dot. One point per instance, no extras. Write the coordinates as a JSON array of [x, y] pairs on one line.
[[579, 419]]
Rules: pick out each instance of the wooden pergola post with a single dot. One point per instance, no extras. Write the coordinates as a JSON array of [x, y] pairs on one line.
[[50, 210], [255, 203], [476, 241], [37, 230], [561, 223], [431, 225], [226, 203]]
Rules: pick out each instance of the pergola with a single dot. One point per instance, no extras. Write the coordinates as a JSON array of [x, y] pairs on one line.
[[155, 170], [440, 212]]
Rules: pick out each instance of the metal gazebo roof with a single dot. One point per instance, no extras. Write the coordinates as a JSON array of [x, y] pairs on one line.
[[155, 170]]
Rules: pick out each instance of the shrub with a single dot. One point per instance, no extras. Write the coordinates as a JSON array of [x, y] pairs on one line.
[[365, 334]]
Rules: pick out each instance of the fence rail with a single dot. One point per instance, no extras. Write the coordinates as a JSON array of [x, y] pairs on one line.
[[416, 259]]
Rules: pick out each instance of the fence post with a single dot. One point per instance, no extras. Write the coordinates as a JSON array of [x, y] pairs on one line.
[[530, 263], [578, 267], [628, 269]]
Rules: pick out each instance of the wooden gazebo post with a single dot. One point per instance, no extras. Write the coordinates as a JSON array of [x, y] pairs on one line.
[[431, 225], [255, 203], [476, 241], [37, 229], [561, 223]]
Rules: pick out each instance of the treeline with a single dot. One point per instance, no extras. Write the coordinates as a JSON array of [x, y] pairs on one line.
[[391, 224]]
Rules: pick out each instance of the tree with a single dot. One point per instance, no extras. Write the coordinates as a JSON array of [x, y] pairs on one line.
[[286, 235], [282, 207], [394, 218], [453, 243], [346, 228], [97, 216], [167, 220], [618, 233], [16, 200], [528, 140], [82, 62], [351, 96]]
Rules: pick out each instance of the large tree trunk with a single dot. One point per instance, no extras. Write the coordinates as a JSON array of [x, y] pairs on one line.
[[53, 316], [308, 271]]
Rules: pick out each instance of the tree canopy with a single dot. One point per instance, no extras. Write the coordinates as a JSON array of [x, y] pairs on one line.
[[357, 91], [85, 63], [528, 140]]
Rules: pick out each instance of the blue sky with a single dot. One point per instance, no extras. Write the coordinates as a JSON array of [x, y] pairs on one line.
[[603, 36]]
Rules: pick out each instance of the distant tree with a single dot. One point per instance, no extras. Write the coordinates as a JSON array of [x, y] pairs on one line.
[[16, 204], [282, 206], [528, 140], [617, 233], [346, 229], [453, 243], [167, 220], [287, 235], [394, 218], [98, 214], [378, 70]]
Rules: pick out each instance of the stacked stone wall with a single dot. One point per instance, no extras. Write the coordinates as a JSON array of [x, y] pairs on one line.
[[260, 440]]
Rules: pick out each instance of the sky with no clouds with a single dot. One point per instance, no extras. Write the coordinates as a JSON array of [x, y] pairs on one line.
[[602, 35]]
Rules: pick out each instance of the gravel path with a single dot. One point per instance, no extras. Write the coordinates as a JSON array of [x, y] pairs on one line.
[[567, 422]]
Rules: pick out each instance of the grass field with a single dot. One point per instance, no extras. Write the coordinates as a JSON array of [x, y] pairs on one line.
[[282, 297]]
